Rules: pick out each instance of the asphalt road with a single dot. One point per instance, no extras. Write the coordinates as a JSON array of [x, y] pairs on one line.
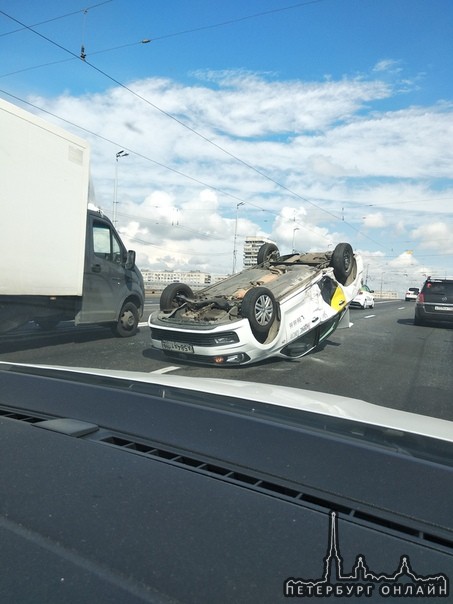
[[383, 359]]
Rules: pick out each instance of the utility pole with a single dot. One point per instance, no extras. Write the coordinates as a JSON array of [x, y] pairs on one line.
[[241, 203], [294, 238], [115, 189]]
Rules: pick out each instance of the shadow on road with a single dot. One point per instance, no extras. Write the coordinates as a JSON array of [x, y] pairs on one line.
[[30, 338], [427, 324]]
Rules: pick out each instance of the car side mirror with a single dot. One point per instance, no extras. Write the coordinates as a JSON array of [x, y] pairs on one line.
[[130, 260]]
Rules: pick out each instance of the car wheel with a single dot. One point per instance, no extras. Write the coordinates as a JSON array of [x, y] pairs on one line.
[[127, 321], [260, 308], [169, 296], [342, 262], [267, 252]]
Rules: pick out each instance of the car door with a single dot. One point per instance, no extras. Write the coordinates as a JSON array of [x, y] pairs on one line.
[[104, 277]]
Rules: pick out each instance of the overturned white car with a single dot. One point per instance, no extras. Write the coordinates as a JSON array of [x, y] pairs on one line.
[[284, 306]]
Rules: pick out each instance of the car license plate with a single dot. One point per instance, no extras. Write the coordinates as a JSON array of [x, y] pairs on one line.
[[177, 346], [450, 308]]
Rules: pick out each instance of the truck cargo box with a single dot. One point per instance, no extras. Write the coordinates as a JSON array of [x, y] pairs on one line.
[[44, 181]]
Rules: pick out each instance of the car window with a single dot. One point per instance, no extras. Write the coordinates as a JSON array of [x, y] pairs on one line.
[[439, 288]]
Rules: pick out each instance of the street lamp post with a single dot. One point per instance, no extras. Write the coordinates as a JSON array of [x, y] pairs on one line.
[[294, 238], [115, 189], [241, 203]]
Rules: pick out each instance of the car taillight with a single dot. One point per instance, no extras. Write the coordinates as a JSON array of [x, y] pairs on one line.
[[421, 298]]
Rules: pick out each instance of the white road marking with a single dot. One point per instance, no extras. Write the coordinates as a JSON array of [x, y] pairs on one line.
[[143, 324], [369, 316], [166, 369]]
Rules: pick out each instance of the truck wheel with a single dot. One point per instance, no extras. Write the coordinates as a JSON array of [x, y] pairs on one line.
[[342, 262], [260, 308], [127, 321], [268, 251], [169, 296]]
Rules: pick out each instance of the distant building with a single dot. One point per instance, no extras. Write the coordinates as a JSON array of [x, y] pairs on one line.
[[251, 247], [198, 279], [392, 295], [160, 279]]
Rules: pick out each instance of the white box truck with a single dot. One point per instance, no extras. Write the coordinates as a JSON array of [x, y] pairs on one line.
[[60, 259]]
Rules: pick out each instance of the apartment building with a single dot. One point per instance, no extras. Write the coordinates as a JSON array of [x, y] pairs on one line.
[[251, 247]]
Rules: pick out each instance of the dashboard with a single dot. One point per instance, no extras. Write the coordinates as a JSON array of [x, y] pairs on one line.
[[124, 491]]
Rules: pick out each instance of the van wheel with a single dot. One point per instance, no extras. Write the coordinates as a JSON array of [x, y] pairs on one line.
[[267, 252], [342, 262], [169, 296], [260, 308], [127, 322]]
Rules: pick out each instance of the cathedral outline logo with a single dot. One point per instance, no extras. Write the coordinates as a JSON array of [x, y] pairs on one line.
[[362, 581]]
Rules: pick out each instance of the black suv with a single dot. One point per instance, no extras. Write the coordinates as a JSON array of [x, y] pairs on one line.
[[435, 302]]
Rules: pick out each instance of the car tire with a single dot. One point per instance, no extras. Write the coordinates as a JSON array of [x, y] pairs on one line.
[[418, 321], [127, 323], [260, 308], [267, 252], [169, 296], [342, 262]]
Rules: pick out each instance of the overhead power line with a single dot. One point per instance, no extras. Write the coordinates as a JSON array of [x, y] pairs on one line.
[[154, 38], [154, 161], [83, 10], [236, 20], [187, 127]]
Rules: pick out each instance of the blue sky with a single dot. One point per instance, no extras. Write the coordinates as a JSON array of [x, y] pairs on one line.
[[327, 120]]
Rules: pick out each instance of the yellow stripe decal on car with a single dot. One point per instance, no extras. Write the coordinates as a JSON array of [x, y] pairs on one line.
[[338, 300]]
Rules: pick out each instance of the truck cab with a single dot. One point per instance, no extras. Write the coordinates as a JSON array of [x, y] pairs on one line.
[[113, 290]]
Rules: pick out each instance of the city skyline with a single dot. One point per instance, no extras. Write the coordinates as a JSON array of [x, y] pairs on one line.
[[362, 580]]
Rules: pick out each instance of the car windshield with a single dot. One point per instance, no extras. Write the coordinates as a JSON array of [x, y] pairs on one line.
[[253, 194]]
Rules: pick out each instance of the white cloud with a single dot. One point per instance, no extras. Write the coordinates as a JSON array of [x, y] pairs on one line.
[[328, 160], [374, 221], [404, 260], [436, 236], [388, 65]]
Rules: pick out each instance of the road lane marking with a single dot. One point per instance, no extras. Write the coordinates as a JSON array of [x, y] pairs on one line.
[[166, 369], [369, 316]]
